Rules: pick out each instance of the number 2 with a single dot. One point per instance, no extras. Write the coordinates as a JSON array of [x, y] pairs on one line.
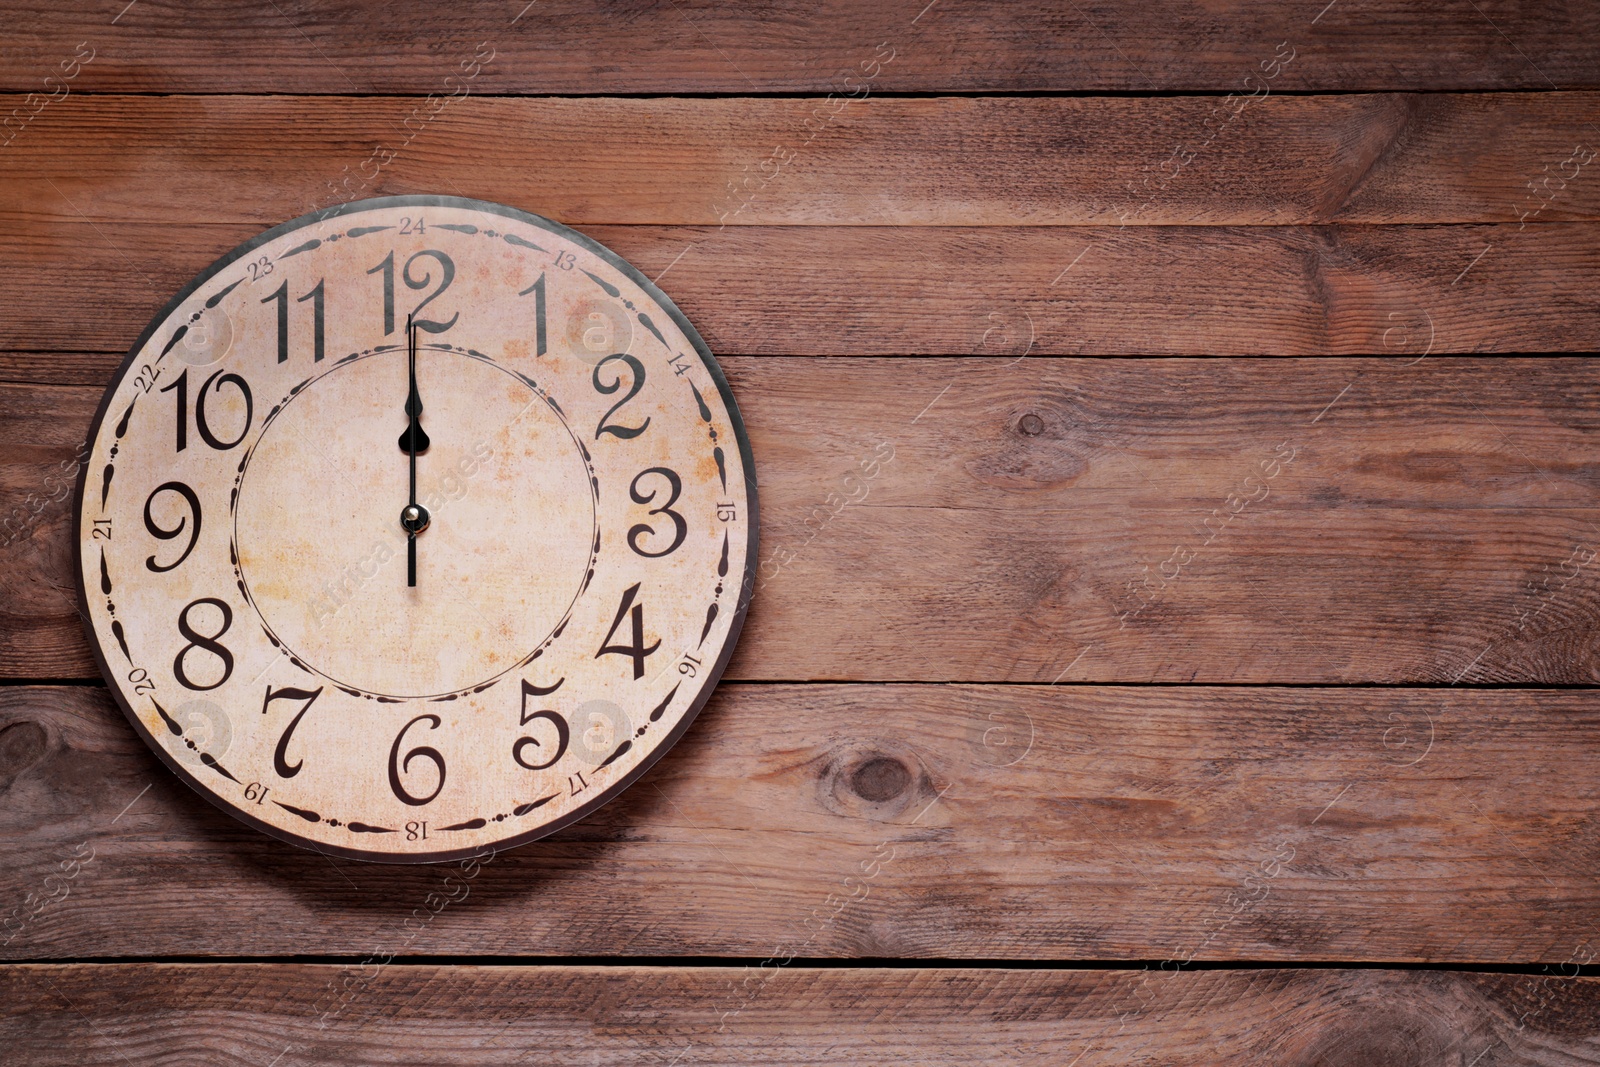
[[624, 432]]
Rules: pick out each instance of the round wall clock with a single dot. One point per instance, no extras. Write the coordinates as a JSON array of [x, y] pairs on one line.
[[414, 528]]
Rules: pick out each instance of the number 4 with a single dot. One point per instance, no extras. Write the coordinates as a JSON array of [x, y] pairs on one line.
[[636, 651]]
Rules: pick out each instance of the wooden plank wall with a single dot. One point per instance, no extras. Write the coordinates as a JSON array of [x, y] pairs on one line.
[[1208, 676]]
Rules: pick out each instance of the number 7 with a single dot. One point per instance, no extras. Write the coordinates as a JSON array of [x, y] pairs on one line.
[[279, 762]]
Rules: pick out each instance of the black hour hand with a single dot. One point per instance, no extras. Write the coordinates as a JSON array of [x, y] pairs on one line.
[[415, 439]]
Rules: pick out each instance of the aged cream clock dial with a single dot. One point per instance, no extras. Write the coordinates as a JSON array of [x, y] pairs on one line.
[[415, 527]]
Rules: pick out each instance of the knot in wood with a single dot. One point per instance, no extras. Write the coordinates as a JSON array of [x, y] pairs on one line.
[[880, 779], [877, 779], [22, 744]]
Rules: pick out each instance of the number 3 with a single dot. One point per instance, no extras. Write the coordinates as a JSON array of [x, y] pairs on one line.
[[679, 524]]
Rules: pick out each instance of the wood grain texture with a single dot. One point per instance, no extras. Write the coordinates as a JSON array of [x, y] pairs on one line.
[[806, 290], [1070, 519], [416, 1015], [1387, 513], [946, 161], [1066, 822], [561, 46], [58, 368]]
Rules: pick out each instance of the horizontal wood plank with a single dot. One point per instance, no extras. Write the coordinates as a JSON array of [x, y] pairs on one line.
[[294, 1015], [807, 290], [1027, 822], [58, 368], [1413, 181], [563, 46], [1236, 521], [1025, 161]]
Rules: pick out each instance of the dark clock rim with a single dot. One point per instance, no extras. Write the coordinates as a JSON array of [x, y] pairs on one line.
[[714, 676]]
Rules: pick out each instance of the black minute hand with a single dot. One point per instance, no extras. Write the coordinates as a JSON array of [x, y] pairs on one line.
[[413, 517]]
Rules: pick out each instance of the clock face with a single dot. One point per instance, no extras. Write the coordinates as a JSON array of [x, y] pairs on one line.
[[414, 528]]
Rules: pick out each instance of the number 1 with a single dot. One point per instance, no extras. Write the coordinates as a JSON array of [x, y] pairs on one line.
[[281, 295], [387, 266], [537, 289], [315, 296]]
